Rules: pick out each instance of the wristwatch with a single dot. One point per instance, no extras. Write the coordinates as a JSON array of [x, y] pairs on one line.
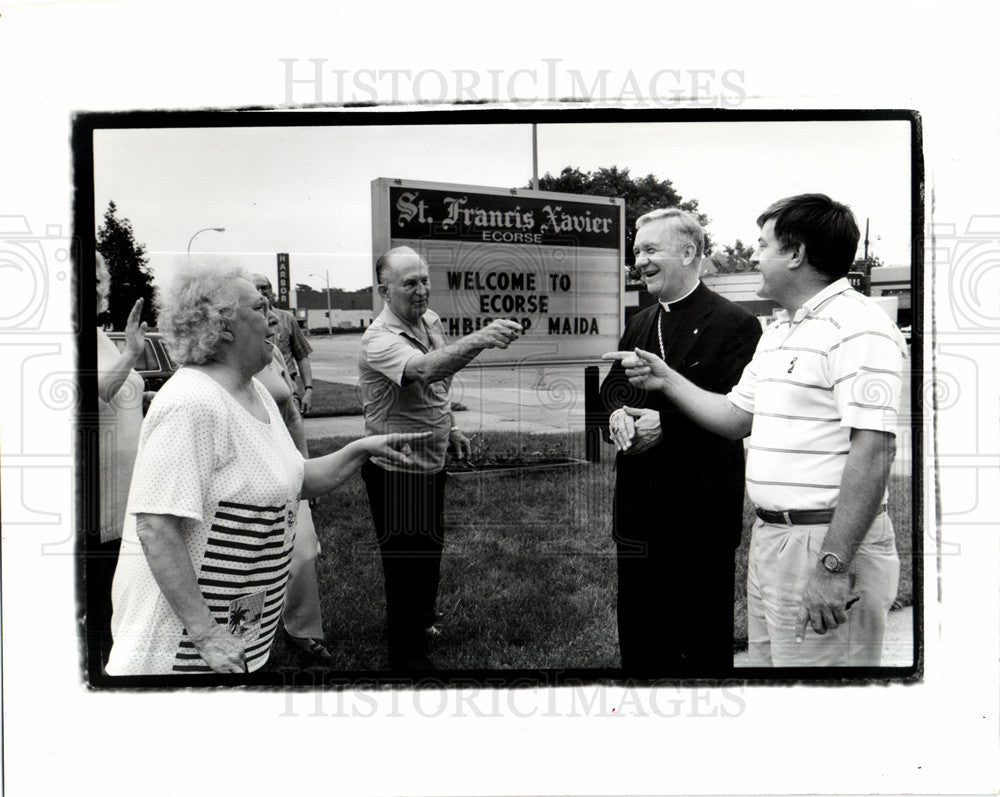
[[832, 563]]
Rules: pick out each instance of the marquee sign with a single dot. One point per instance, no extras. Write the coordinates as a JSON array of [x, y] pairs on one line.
[[553, 262]]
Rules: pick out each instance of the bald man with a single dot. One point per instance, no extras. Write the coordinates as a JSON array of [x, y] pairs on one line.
[[406, 368]]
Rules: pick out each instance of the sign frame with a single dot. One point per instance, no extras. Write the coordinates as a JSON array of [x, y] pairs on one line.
[[382, 241]]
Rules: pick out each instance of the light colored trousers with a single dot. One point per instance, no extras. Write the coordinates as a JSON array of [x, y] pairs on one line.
[[780, 563], [301, 614]]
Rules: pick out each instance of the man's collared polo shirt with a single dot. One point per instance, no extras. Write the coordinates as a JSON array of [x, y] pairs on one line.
[[834, 367], [389, 405]]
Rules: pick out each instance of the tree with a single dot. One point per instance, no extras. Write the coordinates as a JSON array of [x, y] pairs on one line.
[[301, 287], [641, 195], [734, 259], [129, 267]]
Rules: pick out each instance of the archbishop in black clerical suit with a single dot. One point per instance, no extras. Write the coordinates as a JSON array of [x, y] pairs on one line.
[[678, 506]]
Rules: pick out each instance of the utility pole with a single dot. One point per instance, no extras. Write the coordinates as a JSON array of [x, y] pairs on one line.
[[329, 319], [534, 156]]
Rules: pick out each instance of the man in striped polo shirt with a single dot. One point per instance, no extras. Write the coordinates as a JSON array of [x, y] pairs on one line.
[[820, 400]]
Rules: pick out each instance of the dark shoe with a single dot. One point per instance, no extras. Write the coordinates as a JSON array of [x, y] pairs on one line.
[[311, 647]]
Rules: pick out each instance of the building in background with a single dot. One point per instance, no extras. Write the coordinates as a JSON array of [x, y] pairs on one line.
[[348, 309]]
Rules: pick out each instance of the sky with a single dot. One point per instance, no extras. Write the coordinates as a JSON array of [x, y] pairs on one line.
[[306, 190]]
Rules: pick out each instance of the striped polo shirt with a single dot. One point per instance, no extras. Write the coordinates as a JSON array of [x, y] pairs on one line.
[[833, 367]]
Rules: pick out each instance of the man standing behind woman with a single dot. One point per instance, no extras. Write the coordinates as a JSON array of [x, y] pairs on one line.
[[302, 614], [292, 344]]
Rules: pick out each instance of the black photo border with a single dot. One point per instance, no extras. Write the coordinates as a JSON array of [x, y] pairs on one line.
[[84, 124]]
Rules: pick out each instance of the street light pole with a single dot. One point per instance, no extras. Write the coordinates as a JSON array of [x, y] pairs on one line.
[[203, 229], [329, 318]]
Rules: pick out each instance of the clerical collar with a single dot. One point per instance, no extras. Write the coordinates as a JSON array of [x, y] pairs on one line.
[[680, 304]]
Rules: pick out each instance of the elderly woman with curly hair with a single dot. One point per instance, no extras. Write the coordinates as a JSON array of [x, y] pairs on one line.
[[210, 527]]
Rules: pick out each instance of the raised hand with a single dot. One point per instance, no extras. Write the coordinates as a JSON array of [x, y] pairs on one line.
[[135, 332]]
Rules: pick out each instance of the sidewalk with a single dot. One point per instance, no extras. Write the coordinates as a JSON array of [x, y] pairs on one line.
[[531, 400]]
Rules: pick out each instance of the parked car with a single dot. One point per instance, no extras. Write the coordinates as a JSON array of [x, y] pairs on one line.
[[155, 365]]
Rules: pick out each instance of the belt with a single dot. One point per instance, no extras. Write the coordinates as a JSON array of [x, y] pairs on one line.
[[795, 517]]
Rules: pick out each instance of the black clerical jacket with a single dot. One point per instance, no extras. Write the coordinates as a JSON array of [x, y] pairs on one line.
[[689, 486]]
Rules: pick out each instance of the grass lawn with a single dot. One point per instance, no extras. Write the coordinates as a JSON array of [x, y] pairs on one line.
[[334, 398], [528, 573]]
